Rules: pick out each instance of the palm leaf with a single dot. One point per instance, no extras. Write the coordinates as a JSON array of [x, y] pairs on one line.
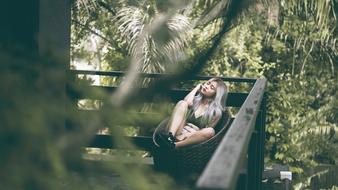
[[87, 5], [157, 47]]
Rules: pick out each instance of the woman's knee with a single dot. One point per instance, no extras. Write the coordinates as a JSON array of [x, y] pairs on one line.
[[208, 132]]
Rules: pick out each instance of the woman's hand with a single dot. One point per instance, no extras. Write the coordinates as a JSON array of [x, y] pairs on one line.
[[188, 130], [190, 97], [198, 87], [192, 126]]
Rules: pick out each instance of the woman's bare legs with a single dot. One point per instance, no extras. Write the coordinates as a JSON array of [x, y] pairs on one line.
[[198, 136], [186, 132], [178, 117], [177, 122]]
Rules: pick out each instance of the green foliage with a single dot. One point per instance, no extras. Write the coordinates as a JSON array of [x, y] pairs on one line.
[[302, 133], [302, 90], [294, 49]]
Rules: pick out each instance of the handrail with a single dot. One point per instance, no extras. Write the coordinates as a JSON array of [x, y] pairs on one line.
[[157, 75], [224, 167], [234, 99]]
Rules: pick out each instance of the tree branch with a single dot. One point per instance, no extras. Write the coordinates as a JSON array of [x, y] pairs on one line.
[[113, 43], [107, 7], [223, 6]]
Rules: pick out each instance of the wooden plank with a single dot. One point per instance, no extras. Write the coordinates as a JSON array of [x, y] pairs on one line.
[[144, 120], [107, 141], [158, 75], [253, 162], [260, 124], [54, 31], [125, 160], [223, 169], [235, 99], [98, 178]]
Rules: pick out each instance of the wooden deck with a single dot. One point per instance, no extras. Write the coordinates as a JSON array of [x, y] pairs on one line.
[[237, 162], [99, 176], [94, 181]]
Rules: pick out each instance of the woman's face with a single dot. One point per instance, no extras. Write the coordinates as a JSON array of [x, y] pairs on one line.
[[208, 89]]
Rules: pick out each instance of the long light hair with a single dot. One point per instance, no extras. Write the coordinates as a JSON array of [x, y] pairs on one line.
[[217, 103]]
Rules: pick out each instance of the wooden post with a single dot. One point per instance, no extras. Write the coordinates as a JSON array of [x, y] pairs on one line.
[[262, 136], [36, 34], [54, 46], [54, 49], [253, 161], [54, 30]]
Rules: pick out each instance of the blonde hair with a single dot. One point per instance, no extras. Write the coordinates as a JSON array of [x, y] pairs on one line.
[[216, 105]]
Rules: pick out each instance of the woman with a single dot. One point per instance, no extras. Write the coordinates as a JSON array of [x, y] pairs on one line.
[[194, 118]]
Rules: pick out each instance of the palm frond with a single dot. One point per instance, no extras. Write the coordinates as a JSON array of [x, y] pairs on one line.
[[206, 3], [306, 25], [87, 5], [318, 18], [157, 47]]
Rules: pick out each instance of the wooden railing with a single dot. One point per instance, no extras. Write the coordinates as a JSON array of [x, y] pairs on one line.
[[157, 75], [229, 159], [238, 161]]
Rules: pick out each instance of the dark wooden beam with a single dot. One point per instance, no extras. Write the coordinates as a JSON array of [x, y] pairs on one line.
[[158, 75], [145, 120], [107, 141], [224, 167], [235, 99], [54, 31]]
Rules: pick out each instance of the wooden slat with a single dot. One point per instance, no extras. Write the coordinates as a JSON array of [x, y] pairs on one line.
[[112, 158], [147, 121], [254, 162], [223, 169], [235, 99], [158, 75], [107, 141], [137, 119]]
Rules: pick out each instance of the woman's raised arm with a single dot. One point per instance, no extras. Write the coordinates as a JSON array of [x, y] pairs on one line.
[[190, 97]]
